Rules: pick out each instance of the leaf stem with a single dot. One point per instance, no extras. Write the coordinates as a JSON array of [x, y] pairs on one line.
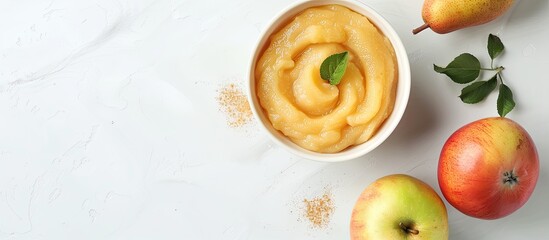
[[500, 77], [498, 69]]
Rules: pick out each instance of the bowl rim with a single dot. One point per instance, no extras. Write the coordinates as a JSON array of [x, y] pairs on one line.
[[402, 92]]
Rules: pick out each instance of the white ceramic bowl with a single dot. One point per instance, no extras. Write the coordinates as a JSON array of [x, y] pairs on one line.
[[403, 85]]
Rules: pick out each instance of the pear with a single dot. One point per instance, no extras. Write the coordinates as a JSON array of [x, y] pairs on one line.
[[444, 16]]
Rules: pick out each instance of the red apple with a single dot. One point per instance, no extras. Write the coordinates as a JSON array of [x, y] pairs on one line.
[[488, 168]]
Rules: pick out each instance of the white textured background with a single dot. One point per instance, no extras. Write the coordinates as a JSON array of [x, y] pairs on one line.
[[110, 127]]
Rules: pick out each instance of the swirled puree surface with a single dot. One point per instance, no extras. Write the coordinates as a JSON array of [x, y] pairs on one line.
[[308, 110]]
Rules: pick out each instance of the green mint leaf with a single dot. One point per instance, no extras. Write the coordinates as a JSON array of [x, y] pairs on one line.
[[478, 91], [505, 100], [463, 69], [495, 46], [333, 67]]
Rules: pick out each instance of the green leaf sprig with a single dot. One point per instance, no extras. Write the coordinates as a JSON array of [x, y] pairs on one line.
[[333, 67], [465, 68]]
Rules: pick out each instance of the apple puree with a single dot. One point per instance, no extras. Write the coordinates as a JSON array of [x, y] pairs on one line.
[[309, 111]]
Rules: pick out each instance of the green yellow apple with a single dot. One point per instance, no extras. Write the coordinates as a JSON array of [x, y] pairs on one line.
[[399, 207]]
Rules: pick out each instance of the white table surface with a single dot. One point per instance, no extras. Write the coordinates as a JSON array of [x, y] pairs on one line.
[[110, 127]]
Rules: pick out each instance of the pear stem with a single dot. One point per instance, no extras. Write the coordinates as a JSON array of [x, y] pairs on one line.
[[421, 28], [408, 229]]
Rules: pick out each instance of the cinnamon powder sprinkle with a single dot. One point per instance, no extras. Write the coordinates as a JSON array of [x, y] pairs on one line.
[[319, 210], [234, 104]]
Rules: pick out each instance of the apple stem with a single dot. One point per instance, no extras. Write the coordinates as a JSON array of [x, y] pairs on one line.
[[421, 28], [408, 229]]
